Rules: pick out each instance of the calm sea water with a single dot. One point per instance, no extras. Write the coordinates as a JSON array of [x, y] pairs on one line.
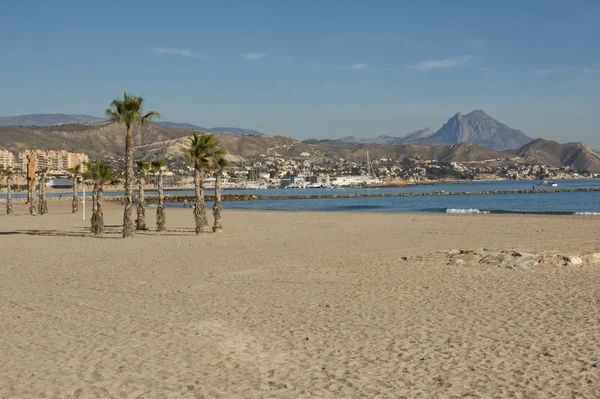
[[550, 203]]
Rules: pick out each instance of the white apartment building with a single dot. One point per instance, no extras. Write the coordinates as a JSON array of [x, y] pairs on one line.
[[7, 159], [54, 160]]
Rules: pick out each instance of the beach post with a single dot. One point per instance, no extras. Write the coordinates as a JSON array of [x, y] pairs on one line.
[[83, 202]]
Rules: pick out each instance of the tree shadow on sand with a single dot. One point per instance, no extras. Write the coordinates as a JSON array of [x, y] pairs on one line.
[[113, 234]]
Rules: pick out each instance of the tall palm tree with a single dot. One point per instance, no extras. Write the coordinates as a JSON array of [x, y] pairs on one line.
[[129, 112], [75, 172], [43, 205], [199, 155], [8, 173], [144, 168], [219, 165], [160, 165], [100, 174]]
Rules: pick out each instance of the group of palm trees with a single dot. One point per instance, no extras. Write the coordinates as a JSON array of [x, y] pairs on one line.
[[203, 153], [35, 207]]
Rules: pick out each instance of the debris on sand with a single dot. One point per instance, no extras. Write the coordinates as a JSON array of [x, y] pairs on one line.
[[509, 259]]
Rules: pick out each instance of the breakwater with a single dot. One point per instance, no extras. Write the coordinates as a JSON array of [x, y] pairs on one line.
[[254, 197]]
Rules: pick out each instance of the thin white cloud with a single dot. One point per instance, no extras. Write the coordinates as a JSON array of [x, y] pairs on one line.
[[179, 52], [447, 63], [253, 56], [359, 66], [591, 70]]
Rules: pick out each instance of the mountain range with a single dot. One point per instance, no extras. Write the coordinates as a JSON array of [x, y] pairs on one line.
[[476, 127], [47, 119], [65, 119], [448, 144]]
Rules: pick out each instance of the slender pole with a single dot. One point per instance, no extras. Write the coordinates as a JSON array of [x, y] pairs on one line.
[[83, 202]]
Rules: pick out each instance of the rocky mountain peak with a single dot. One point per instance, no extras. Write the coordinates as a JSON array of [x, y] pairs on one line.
[[478, 128]]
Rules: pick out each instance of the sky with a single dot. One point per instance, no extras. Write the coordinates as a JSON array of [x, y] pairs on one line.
[[311, 68]]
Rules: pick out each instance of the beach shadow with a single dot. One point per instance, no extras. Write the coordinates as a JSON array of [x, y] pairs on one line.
[[8, 233], [56, 233]]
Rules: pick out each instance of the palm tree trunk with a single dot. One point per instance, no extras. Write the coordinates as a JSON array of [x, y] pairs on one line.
[[32, 197], [200, 205], [43, 205], [9, 210], [128, 230], [160, 210], [75, 203], [97, 215], [218, 206], [141, 209], [93, 219], [94, 205], [197, 192]]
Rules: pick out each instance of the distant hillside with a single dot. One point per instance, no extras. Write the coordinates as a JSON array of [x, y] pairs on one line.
[[181, 125], [384, 139], [47, 119], [98, 140], [417, 136], [480, 129], [551, 153], [240, 147], [225, 130], [463, 152]]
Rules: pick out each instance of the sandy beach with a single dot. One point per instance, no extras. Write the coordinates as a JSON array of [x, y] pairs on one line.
[[297, 305]]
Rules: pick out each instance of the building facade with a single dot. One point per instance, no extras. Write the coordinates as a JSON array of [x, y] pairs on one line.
[[54, 160], [7, 159]]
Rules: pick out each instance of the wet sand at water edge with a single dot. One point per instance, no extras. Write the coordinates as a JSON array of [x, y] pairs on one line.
[[300, 304]]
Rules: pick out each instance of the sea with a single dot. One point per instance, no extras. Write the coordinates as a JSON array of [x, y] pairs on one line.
[[545, 201]]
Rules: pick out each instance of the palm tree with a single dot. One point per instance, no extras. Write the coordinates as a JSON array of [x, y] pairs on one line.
[[31, 195], [144, 168], [75, 172], [199, 155], [129, 112], [100, 174], [219, 165], [160, 165], [43, 205], [8, 173]]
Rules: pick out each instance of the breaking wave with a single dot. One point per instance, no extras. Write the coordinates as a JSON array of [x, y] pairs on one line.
[[587, 213], [466, 211]]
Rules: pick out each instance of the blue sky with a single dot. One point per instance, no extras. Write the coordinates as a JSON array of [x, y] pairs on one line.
[[311, 68]]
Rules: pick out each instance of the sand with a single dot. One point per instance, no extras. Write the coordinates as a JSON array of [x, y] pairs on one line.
[[295, 305]]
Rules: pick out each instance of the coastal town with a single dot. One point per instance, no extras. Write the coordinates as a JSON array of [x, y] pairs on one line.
[[279, 172]]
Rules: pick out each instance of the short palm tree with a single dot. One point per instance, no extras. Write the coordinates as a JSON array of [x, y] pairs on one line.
[[100, 174], [160, 165], [144, 169], [129, 112], [219, 164], [43, 205], [9, 174], [199, 155], [75, 172]]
